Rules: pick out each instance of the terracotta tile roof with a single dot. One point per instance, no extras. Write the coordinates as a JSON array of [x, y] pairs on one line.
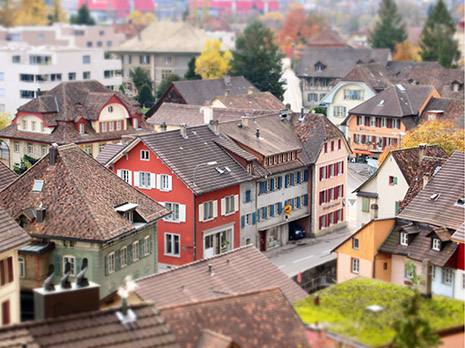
[[92, 329], [328, 38], [214, 24], [451, 110], [402, 69], [396, 101], [80, 196], [338, 61], [459, 235], [240, 270], [232, 147], [176, 114], [11, 234], [442, 233], [75, 99], [419, 247], [6, 175], [250, 319], [374, 75], [211, 339], [428, 167], [183, 154], [313, 131], [110, 151], [128, 29], [437, 204], [259, 100]]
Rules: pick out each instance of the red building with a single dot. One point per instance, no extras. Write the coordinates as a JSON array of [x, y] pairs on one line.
[[239, 6], [186, 171], [121, 8]]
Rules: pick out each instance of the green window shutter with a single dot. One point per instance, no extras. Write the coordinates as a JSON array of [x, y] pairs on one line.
[[105, 260], [366, 204], [129, 254], [141, 248], [395, 180], [78, 264], [117, 260], [151, 244], [397, 207], [58, 263]]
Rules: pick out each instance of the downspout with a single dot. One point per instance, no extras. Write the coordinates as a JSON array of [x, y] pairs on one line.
[[195, 234], [374, 266]]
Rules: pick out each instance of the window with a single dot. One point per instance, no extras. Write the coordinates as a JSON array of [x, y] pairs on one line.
[[89, 150], [146, 245], [16, 59], [144, 155], [119, 125], [25, 94], [82, 128], [144, 180], [123, 257], [247, 197], [89, 44], [126, 72], [135, 251], [125, 175], [165, 74], [101, 32], [109, 43], [365, 204], [86, 75], [111, 263], [26, 77], [85, 59], [350, 94], [355, 265], [101, 147], [30, 148], [339, 111], [42, 127], [229, 205], [126, 59], [33, 126], [22, 267], [72, 261], [172, 244], [403, 238], [410, 273], [144, 59], [71, 76], [174, 207], [16, 146], [447, 276], [355, 243], [208, 210], [135, 122], [396, 124], [168, 60], [99, 44], [38, 185], [248, 219], [392, 180], [44, 150], [165, 182], [312, 97], [436, 244]]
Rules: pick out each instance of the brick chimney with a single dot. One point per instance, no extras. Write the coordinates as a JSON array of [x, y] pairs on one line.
[[214, 126], [245, 121], [53, 154], [421, 152], [183, 130]]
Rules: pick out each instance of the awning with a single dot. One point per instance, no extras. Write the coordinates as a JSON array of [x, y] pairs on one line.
[[363, 152]]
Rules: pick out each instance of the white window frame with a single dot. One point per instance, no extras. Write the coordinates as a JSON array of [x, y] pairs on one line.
[[436, 244], [175, 215], [111, 262], [146, 245], [447, 275], [44, 150], [165, 182], [24, 124], [22, 267], [125, 175], [171, 244], [16, 146], [355, 266], [403, 238], [144, 155], [229, 206], [30, 148], [145, 180], [123, 257], [73, 263], [207, 209], [82, 128], [135, 251]]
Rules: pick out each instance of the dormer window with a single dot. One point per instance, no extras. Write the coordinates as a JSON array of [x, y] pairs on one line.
[[436, 244], [82, 128], [135, 122], [455, 87], [24, 125], [319, 67], [128, 211], [249, 168], [403, 238], [110, 109]]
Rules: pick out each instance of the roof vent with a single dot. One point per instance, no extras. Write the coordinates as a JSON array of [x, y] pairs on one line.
[[228, 169], [434, 197], [381, 103], [257, 133], [400, 87], [461, 202], [219, 170]]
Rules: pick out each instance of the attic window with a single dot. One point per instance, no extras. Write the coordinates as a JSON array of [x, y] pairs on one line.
[[434, 197], [228, 169], [127, 210], [110, 109], [38, 185], [403, 238], [436, 244], [319, 67], [460, 202], [219, 170]]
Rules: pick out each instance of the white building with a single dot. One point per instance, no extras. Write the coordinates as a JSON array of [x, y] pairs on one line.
[[26, 70]]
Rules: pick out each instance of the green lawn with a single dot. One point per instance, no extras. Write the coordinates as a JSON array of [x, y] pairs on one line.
[[342, 310]]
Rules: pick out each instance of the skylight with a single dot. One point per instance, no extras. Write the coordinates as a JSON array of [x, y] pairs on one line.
[[228, 169], [38, 185], [219, 170]]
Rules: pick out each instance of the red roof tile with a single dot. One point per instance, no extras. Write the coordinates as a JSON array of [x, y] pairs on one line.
[[11, 234]]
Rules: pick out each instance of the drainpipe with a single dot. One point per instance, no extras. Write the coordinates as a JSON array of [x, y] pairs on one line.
[[374, 266], [195, 236]]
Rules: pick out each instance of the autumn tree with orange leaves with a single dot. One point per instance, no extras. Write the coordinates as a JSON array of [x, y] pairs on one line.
[[404, 51]]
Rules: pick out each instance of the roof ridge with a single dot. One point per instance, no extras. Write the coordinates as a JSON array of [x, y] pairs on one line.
[[226, 297]]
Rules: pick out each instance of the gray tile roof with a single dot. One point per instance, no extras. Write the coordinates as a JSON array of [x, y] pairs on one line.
[[110, 151], [451, 110], [11, 234], [338, 61], [183, 154], [459, 235], [6, 175], [259, 100], [374, 75], [441, 210], [240, 270]]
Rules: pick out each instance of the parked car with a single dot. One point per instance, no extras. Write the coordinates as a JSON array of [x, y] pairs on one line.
[[295, 231]]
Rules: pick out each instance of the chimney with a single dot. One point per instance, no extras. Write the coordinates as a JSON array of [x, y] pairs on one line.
[[374, 211], [183, 130], [53, 154], [251, 89], [53, 301], [257, 133], [421, 152], [245, 121], [427, 271], [207, 112], [163, 127], [227, 91], [426, 179], [213, 125], [40, 214], [227, 79]]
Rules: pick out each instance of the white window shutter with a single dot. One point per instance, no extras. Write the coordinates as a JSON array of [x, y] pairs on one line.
[[223, 206], [201, 212], [136, 179], [182, 212], [118, 172], [236, 202], [129, 177], [170, 182], [158, 181], [215, 208], [153, 181]]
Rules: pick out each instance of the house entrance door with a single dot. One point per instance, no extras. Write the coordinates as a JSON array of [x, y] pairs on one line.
[[262, 240]]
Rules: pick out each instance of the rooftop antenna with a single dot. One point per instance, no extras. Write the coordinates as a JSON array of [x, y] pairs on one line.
[[48, 283]]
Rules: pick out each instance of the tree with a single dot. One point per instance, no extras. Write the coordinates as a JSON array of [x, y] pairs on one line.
[[437, 38], [57, 13], [25, 164], [446, 134], [166, 83], [190, 73], [389, 29], [212, 64], [404, 51], [83, 16], [121, 89], [145, 96], [31, 12], [386, 151], [258, 59], [140, 77], [8, 12], [137, 17], [412, 330], [5, 119]]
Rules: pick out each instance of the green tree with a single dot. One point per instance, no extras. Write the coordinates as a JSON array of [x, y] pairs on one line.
[[56, 13], [436, 41], [8, 11], [121, 89], [31, 12], [166, 83], [190, 73], [82, 17], [390, 29], [258, 59], [5, 119], [412, 330], [25, 164], [140, 77], [212, 64], [145, 97]]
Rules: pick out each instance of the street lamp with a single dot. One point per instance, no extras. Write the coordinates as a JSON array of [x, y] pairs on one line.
[[212, 163], [401, 134]]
